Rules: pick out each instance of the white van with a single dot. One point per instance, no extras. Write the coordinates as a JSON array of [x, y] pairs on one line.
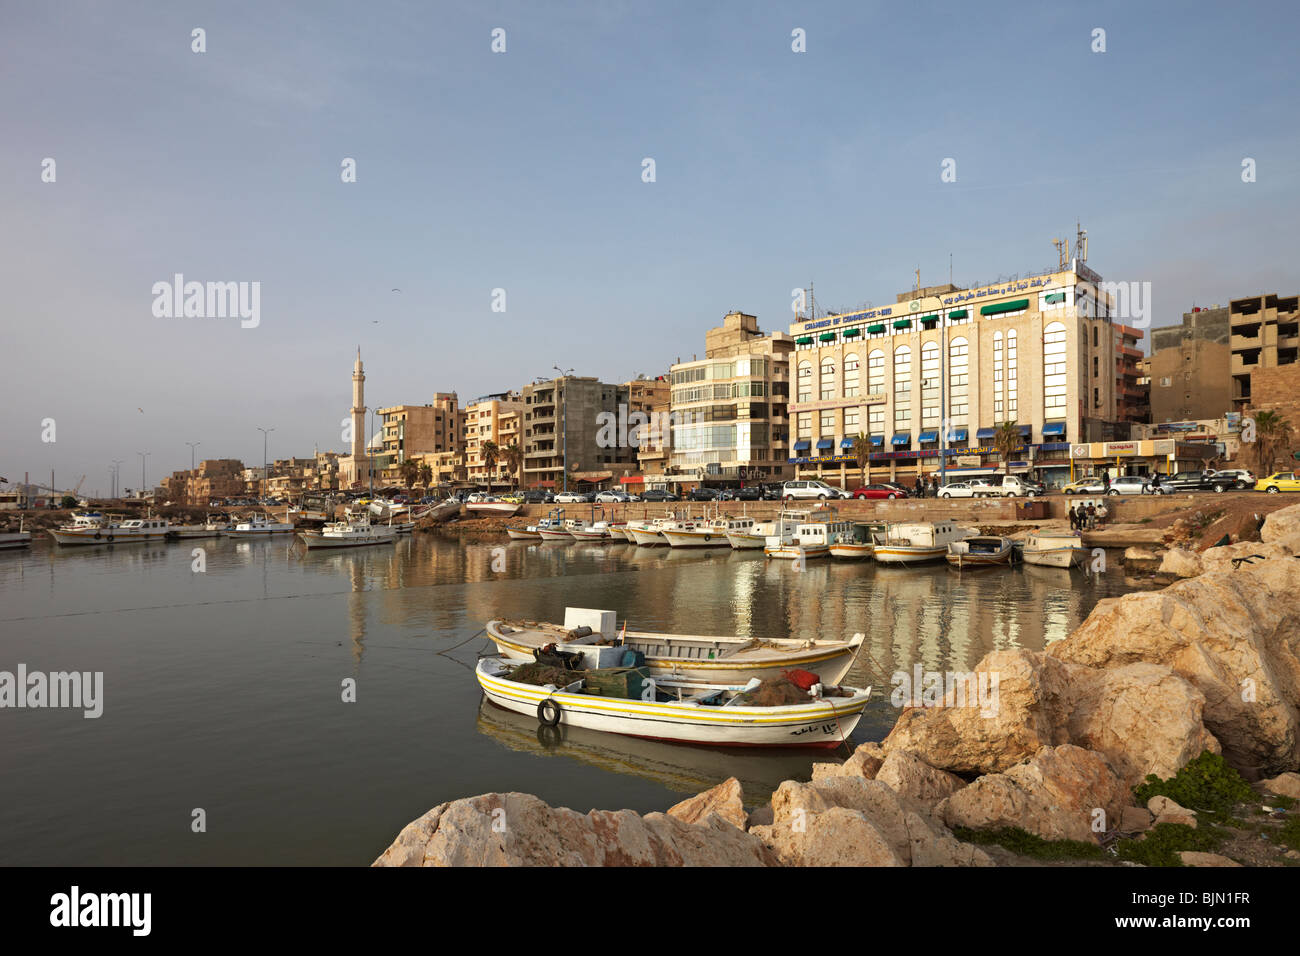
[[793, 490]]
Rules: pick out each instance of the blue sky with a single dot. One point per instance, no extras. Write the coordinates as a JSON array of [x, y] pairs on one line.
[[522, 171]]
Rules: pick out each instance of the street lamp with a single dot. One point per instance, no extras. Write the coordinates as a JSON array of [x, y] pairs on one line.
[[266, 483], [143, 484], [193, 445], [564, 424], [116, 475]]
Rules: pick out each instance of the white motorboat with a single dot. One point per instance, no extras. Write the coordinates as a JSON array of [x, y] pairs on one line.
[[259, 526], [696, 533], [980, 551], [1053, 549], [679, 711], [560, 529], [916, 542], [214, 526], [649, 534], [88, 529], [589, 532], [493, 506], [354, 533], [798, 534], [855, 543], [727, 660]]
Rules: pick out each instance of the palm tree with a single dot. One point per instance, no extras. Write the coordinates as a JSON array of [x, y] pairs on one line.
[[1272, 433], [514, 458], [490, 452], [408, 469], [426, 474], [1007, 440], [862, 452]]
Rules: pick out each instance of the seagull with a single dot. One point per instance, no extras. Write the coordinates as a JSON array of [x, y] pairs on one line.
[[397, 290]]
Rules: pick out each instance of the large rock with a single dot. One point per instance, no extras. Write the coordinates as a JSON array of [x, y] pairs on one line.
[[1281, 524], [727, 800], [910, 776], [1197, 858], [1233, 635], [1145, 719], [1284, 785], [1180, 563], [1056, 795], [518, 829], [802, 832]]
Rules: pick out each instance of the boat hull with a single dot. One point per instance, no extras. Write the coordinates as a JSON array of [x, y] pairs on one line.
[[746, 542], [502, 509], [854, 552], [648, 539], [314, 540], [696, 539], [893, 554], [106, 536], [824, 723], [550, 535], [10, 540], [523, 534], [1054, 557], [794, 551]]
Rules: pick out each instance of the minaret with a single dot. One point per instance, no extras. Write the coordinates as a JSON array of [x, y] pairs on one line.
[[359, 418]]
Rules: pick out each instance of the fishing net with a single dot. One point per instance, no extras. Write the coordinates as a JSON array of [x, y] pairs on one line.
[[541, 674], [775, 692]]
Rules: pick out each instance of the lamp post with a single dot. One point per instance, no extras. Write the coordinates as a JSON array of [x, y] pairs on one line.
[[193, 445], [143, 484], [266, 478], [117, 462], [564, 424]]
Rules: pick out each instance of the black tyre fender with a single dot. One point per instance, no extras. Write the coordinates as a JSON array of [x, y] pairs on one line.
[[97, 535], [110, 537], [548, 712]]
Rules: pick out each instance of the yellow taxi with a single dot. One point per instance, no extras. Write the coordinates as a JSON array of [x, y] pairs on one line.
[[1279, 481]]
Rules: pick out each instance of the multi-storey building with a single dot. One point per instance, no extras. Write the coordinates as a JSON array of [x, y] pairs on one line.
[[410, 430], [1190, 367], [564, 419], [486, 420], [1265, 335], [729, 420], [1043, 352]]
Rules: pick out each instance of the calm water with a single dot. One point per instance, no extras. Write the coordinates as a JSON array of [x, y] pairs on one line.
[[222, 689]]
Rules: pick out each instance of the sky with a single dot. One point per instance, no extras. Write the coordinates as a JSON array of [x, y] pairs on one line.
[[524, 171]]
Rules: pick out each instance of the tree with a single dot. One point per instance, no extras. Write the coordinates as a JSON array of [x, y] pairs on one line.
[[862, 452], [514, 459], [426, 474], [491, 452], [1273, 433], [408, 469], [1007, 440]]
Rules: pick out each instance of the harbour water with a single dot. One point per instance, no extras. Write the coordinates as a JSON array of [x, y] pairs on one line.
[[223, 689]]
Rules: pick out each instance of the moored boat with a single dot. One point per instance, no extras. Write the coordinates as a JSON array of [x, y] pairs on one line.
[[979, 551], [96, 529], [354, 533], [649, 534], [597, 532], [808, 538], [1053, 549], [493, 506], [696, 533], [678, 711], [10, 540], [258, 526], [916, 542], [856, 542]]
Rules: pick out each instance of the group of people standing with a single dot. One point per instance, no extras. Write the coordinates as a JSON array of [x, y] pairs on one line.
[[926, 489], [1087, 517]]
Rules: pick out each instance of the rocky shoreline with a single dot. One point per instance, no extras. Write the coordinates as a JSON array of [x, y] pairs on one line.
[[1204, 672]]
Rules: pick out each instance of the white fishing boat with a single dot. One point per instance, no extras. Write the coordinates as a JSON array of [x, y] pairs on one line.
[[980, 551], [560, 530], [696, 533], [96, 529], [593, 532], [855, 543], [916, 542], [214, 526], [1053, 549], [726, 660], [11, 540], [679, 711], [354, 533], [258, 526], [800, 534], [649, 534], [618, 531], [746, 534], [493, 506]]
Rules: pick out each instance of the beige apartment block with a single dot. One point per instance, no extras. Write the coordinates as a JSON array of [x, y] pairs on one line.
[[1191, 364], [409, 430], [729, 421], [1265, 334], [564, 420], [491, 418], [1043, 351]]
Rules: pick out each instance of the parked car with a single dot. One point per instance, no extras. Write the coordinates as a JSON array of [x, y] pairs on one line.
[[879, 491], [703, 493], [536, 496], [793, 490], [1092, 485], [572, 498], [1014, 486], [958, 489], [1130, 485], [1242, 479], [656, 494], [1278, 481], [748, 493], [1193, 481], [614, 496]]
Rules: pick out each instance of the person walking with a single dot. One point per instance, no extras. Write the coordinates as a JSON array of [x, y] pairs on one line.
[[1074, 518], [934, 486]]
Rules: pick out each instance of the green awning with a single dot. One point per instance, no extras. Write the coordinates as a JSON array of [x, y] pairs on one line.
[[827, 336], [806, 340], [850, 332], [875, 329], [1054, 297], [1015, 305], [959, 314], [903, 324], [929, 320]]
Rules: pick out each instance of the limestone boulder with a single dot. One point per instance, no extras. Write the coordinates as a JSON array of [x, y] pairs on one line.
[[1284, 785], [518, 829], [727, 800], [1166, 810], [1254, 554], [1233, 635], [1135, 820], [910, 776], [1197, 858], [1180, 563], [1281, 524], [1061, 793]]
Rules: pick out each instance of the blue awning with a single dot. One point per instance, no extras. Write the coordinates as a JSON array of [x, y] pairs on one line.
[[957, 434], [1054, 428], [802, 445], [877, 440], [846, 443], [902, 438], [825, 443], [928, 436], [986, 433], [1026, 429]]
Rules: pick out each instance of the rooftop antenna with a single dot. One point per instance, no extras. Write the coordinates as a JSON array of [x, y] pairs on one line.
[[1080, 242], [1062, 253]]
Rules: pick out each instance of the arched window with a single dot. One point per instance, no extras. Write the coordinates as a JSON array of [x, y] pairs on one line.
[[850, 376], [930, 385], [1054, 348], [999, 405], [828, 377], [902, 387], [1011, 375], [805, 381]]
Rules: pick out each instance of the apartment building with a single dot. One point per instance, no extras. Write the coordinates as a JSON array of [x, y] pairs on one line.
[[491, 418], [563, 424]]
